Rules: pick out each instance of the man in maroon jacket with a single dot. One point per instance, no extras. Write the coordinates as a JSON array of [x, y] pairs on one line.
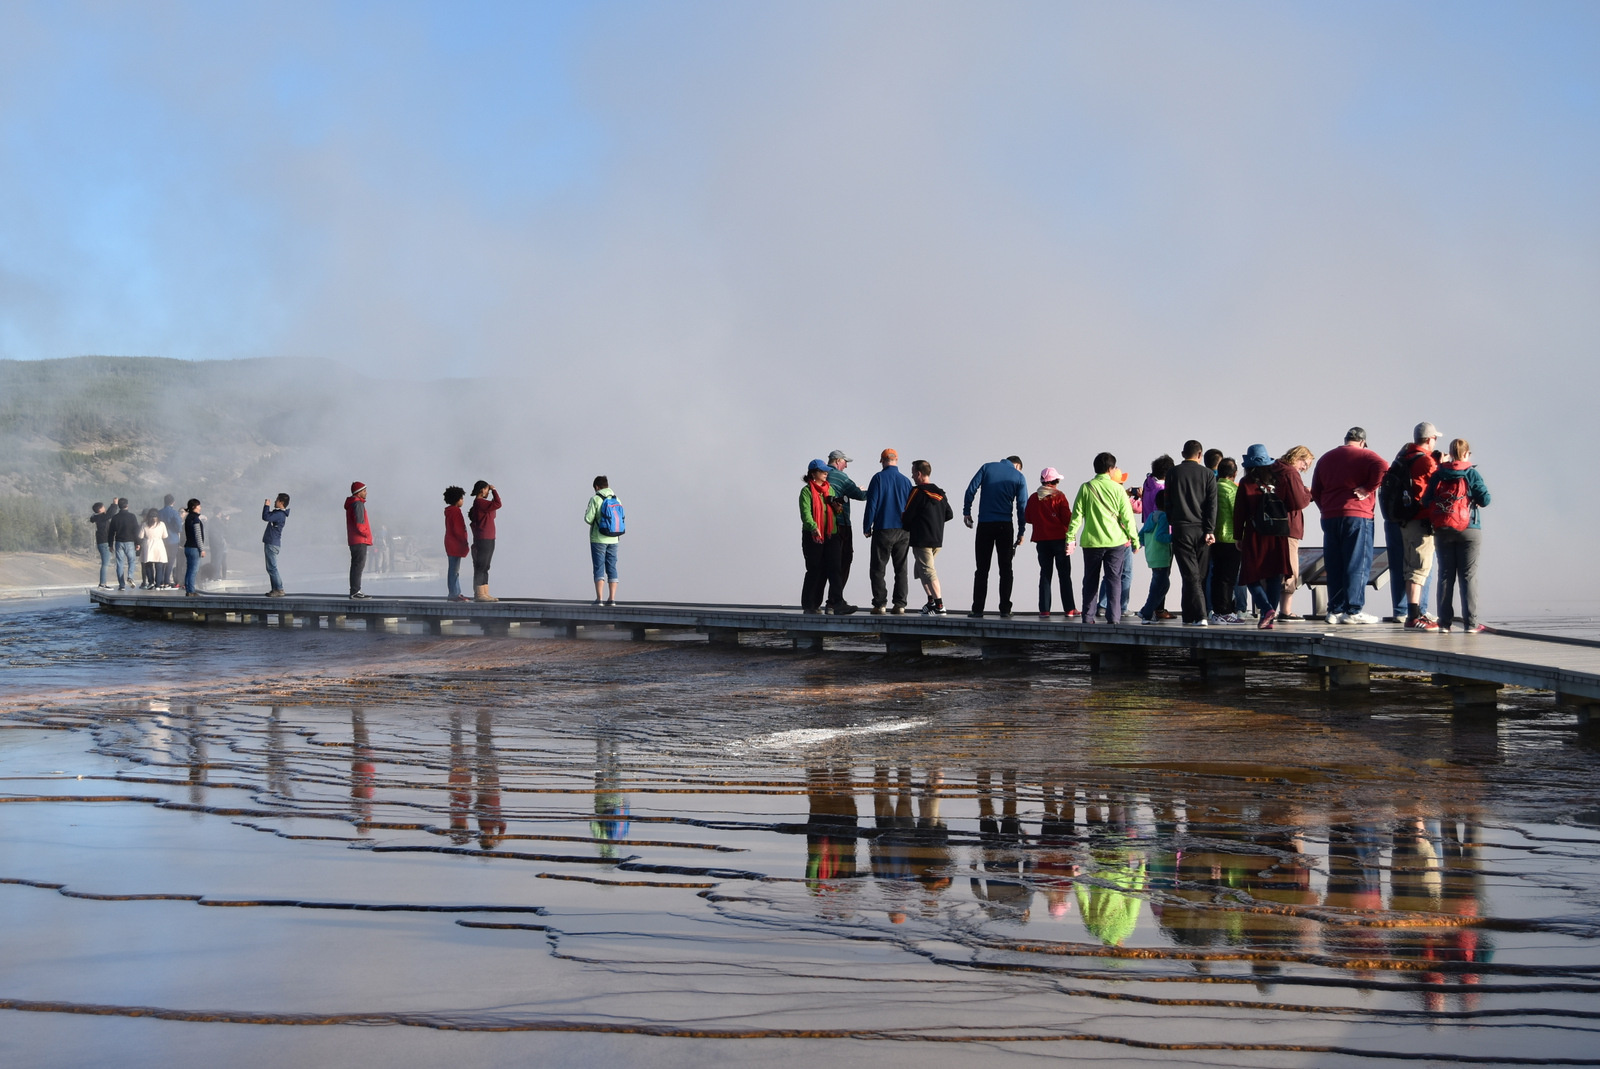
[[1345, 488], [1416, 536], [358, 532]]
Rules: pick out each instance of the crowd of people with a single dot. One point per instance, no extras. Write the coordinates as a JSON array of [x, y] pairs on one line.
[[142, 549], [1233, 528]]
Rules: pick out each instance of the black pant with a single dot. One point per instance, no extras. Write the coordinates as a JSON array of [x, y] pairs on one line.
[[1225, 560], [994, 536], [358, 564], [482, 552], [1189, 553], [1053, 556], [847, 554], [890, 545], [822, 570]]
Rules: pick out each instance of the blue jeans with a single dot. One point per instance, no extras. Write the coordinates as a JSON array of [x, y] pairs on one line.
[[127, 564], [1094, 559], [1347, 552], [604, 558], [272, 565], [452, 577], [1126, 571], [192, 555], [1267, 594], [1160, 583], [1397, 569], [105, 559]]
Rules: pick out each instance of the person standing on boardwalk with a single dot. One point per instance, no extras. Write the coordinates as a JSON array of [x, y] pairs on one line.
[[845, 491], [1401, 500], [1191, 508], [1291, 489], [602, 546], [1345, 488], [1225, 550], [125, 544], [1155, 535], [1048, 513], [102, 537], [194, 545], [152, 548], [1455, 493], [884, 523], [455, 541], [274, 514], [1004, 491], [819, 538], [485, 503], [173, 520], [927, 511], [358, 532], [1102, 523], [1258, 520]]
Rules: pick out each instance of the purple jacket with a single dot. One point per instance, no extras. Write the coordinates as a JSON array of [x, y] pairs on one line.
[[1147, 497]]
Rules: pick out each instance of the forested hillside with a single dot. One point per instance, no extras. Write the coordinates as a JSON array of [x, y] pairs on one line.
[[87, 429]]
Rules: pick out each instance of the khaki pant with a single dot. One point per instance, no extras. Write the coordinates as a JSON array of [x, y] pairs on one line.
[[1417, 537], [923, 566]]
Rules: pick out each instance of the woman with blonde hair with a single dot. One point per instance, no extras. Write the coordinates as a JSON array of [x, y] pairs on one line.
[[1292, 490]]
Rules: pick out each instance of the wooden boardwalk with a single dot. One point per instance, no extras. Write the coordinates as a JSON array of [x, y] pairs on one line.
[[1474, 666]]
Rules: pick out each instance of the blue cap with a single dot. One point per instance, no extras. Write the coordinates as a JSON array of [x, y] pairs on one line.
[[1256, 457], [818, 465]]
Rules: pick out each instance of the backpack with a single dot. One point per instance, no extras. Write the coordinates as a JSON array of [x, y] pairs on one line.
[[1450, 504], [1394, 492], [609, 519], [1271, 515]]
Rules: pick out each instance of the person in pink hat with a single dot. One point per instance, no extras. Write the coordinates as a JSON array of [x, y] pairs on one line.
[[1049, 512]]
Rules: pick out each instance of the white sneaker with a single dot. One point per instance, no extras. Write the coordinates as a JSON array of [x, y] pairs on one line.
[[1335, 618], [1359, 618], [1199, 623]]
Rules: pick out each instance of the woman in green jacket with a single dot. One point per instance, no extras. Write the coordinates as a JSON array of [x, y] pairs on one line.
[[819, 541]]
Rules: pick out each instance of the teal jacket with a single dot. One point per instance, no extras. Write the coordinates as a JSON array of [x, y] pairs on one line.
[[1156, 538], [846, 490]]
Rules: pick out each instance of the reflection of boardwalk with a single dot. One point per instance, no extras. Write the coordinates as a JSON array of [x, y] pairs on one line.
[[1467, 662]]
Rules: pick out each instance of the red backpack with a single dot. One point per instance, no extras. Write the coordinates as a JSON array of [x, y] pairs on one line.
[[1451, 502]]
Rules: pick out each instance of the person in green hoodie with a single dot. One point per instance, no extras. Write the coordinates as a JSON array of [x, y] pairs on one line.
[[1102, 523], [1225, 551]]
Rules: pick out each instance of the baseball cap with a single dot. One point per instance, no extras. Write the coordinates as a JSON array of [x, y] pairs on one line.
[[1355, 434], [838, 454], [1049, 475], [1424, 431], [818, 465], [888, 454]]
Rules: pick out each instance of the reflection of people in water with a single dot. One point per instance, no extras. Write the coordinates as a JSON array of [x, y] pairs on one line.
[[279, 781], [491, 824], [830, 829], [197, 754], [894, 839], [610, 821], [1055, 865], [1003, 899], [460, 781], [362, 771], [1110, 898]]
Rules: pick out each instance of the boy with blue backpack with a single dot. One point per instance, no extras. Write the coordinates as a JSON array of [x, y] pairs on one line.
[[607, 523]]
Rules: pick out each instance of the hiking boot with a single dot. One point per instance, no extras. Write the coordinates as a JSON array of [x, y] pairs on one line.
[[879, 610], [812, 612], [276, 594], [898, 610], [976, 614]]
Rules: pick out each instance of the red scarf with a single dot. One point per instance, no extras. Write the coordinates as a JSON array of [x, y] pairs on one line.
[[820, 510]]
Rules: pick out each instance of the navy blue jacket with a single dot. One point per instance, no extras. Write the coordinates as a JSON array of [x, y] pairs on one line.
[[886, 501], [1004, 489], [275, 519]]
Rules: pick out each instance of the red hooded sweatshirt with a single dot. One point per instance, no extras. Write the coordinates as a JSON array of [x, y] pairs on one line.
[[455, 532], [357, 527]]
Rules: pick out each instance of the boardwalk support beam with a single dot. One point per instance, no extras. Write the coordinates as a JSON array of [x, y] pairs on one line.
[[1221, 664], [1469, 693], [810, 641], [1588, 709], [1109, 658], [1342, 674], [723, 636], [910, 645]]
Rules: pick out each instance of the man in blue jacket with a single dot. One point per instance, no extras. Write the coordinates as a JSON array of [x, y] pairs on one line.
[[884, 524], [274, 514], [1004, 491]]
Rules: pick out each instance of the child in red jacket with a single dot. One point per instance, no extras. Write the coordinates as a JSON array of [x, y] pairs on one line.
[[1049, 512], [455, 539]]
